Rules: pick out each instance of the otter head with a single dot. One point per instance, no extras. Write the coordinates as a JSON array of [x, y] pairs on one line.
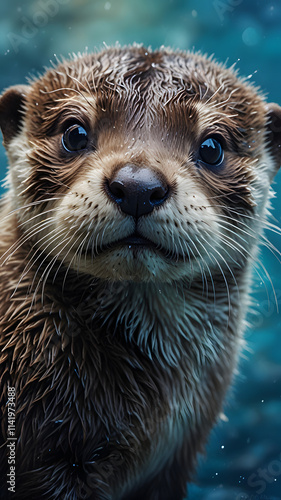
[[139, 165]]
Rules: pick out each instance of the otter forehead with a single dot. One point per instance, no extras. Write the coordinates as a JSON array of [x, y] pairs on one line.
[[146, 91]]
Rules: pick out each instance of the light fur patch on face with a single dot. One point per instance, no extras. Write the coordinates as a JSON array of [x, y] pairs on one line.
[[86, 221]]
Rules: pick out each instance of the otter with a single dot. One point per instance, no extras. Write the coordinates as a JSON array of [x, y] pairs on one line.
[[137, 193]]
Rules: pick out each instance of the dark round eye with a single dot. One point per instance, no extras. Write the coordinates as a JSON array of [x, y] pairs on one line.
[[75, 138], [211, 151]]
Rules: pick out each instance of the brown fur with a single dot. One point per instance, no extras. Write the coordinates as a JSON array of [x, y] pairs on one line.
[[121, 357]]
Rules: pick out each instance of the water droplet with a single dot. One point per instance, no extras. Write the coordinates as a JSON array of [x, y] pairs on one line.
[[194, 13], [250, 36], [107, 6]]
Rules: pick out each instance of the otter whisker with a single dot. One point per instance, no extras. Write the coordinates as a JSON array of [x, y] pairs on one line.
[[68, 239], [77, 253], [26, 236], [65, 256], [259, 262], [45, 254], [247, 254], [30, 205], [208, 269], [49, 266], [89, 243], [41, 214], [39, 248], [227, 226], [201, 257], [65, 242], [263, 239], [265, 224], [235, 245], [227, 266], [203, 275], [26, 208], [226, 284]]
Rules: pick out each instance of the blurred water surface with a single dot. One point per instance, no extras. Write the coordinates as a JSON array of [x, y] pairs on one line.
[[243, 459]]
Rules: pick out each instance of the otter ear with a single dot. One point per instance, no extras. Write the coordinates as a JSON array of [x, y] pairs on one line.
[[274, 132], [11, 111]]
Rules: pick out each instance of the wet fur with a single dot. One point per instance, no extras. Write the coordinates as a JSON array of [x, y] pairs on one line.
[[121, 359]]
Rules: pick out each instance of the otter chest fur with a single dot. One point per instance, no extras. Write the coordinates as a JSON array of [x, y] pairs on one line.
[[137, 191]]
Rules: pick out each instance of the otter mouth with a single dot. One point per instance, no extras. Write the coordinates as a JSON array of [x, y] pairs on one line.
[[136, 242]]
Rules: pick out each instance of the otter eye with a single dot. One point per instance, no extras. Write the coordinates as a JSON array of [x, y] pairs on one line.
[[211, 151], [75, 138]]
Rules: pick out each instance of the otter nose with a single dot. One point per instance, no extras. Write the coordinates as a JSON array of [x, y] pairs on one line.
[[137, 190]]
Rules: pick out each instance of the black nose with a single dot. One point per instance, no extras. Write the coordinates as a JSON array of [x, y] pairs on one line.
[[137, 190]]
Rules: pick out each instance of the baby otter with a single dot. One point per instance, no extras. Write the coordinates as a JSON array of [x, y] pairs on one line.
[[137, 190]]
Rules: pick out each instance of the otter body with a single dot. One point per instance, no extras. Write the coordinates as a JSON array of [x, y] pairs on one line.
[[137, 191]]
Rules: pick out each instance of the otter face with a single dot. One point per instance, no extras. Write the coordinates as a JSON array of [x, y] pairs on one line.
[[142, 166]]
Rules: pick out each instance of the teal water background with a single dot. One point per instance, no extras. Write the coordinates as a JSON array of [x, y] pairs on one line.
[[244, 452]]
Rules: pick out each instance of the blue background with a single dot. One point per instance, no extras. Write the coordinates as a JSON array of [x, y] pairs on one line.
[[244, 453]]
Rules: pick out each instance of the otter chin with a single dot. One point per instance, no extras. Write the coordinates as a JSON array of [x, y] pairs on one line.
[[137, 192]]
